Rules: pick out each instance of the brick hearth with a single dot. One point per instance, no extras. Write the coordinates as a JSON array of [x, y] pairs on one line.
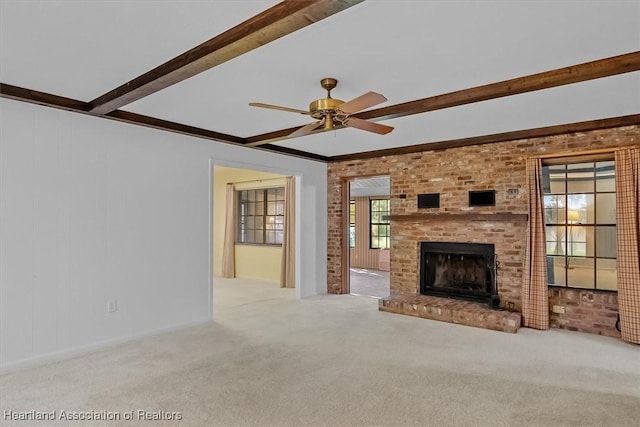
[[452, 311]]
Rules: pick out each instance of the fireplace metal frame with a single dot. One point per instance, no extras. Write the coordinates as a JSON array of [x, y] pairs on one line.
[[485, 250]]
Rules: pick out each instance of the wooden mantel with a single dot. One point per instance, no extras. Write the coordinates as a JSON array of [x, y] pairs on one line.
[[460, 216]]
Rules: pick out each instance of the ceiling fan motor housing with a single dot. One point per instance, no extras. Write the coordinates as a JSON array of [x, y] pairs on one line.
[[321, 107], [327, 107]]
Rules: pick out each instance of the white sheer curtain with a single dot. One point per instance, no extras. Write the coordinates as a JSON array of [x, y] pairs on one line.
[[228, 251], [288, 273]]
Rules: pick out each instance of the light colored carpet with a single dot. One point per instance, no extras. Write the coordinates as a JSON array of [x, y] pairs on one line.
[[269, 360], [369, 282]]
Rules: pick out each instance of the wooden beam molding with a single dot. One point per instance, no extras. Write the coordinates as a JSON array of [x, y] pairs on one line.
[[278, 21], [559, 77], [586, 126]]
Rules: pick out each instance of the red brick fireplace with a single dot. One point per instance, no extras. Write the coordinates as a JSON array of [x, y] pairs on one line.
[[453, 173]]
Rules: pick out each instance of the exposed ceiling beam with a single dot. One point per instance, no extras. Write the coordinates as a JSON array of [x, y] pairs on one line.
[[562, 76], [48, 100], [275, 22], [41, 98], [585, 126]]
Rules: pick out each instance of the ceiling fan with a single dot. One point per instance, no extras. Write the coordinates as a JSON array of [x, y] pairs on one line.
[[332, 113]]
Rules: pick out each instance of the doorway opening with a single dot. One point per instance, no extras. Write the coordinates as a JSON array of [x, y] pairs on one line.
[[249, 234], [369, 236]]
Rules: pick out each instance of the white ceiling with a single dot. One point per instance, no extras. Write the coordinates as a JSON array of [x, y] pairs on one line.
[[405, 50], [372, 186]]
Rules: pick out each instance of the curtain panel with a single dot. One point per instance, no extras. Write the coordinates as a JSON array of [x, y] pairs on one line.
[[535, 293], [628, 245], [228, 250], [288, 272]]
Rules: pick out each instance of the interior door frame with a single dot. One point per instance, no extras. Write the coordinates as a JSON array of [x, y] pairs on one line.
[[345, 286], [345, 183]]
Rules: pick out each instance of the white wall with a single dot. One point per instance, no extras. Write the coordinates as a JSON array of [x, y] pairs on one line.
[[93, 210]]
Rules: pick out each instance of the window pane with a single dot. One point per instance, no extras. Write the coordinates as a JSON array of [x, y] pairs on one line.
[[280, 193], [271, 237], [606, 274], [271, 194], [271, 208], [554, 212], [556, 270], [580, 273], [606, 242], [555, 177], [251, 209], [279, 208], [258, 222], [259, 208], [260, 195], [606, 208], [577, 239], [244, 195], [352, 236], [586, 233], [556, 241], [279, 237], [605, 176], [580, 178], [580, 209], [258, 236]]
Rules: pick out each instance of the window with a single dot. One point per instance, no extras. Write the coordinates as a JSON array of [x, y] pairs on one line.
[[380, 224], [261, 216], [352, 224], [580, 217]]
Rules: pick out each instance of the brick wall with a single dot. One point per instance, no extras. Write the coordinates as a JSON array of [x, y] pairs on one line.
[[453, 173], [594, 312]]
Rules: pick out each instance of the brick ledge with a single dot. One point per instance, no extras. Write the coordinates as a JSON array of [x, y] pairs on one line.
[[452, 311]]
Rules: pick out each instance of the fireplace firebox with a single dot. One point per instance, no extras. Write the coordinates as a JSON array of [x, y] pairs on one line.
[[459, 270]]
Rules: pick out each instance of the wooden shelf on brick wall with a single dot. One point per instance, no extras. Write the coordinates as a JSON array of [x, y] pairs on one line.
[[460, 216]]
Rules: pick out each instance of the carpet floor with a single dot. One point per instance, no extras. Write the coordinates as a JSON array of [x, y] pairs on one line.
[[271, 360], [369, 282]]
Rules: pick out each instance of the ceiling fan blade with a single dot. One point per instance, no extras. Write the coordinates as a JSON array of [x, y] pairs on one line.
[[276, 107], [305, 130], [367, 100], [368, 126]]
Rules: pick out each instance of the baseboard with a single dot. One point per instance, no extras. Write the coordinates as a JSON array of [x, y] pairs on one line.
[[60, 355]]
